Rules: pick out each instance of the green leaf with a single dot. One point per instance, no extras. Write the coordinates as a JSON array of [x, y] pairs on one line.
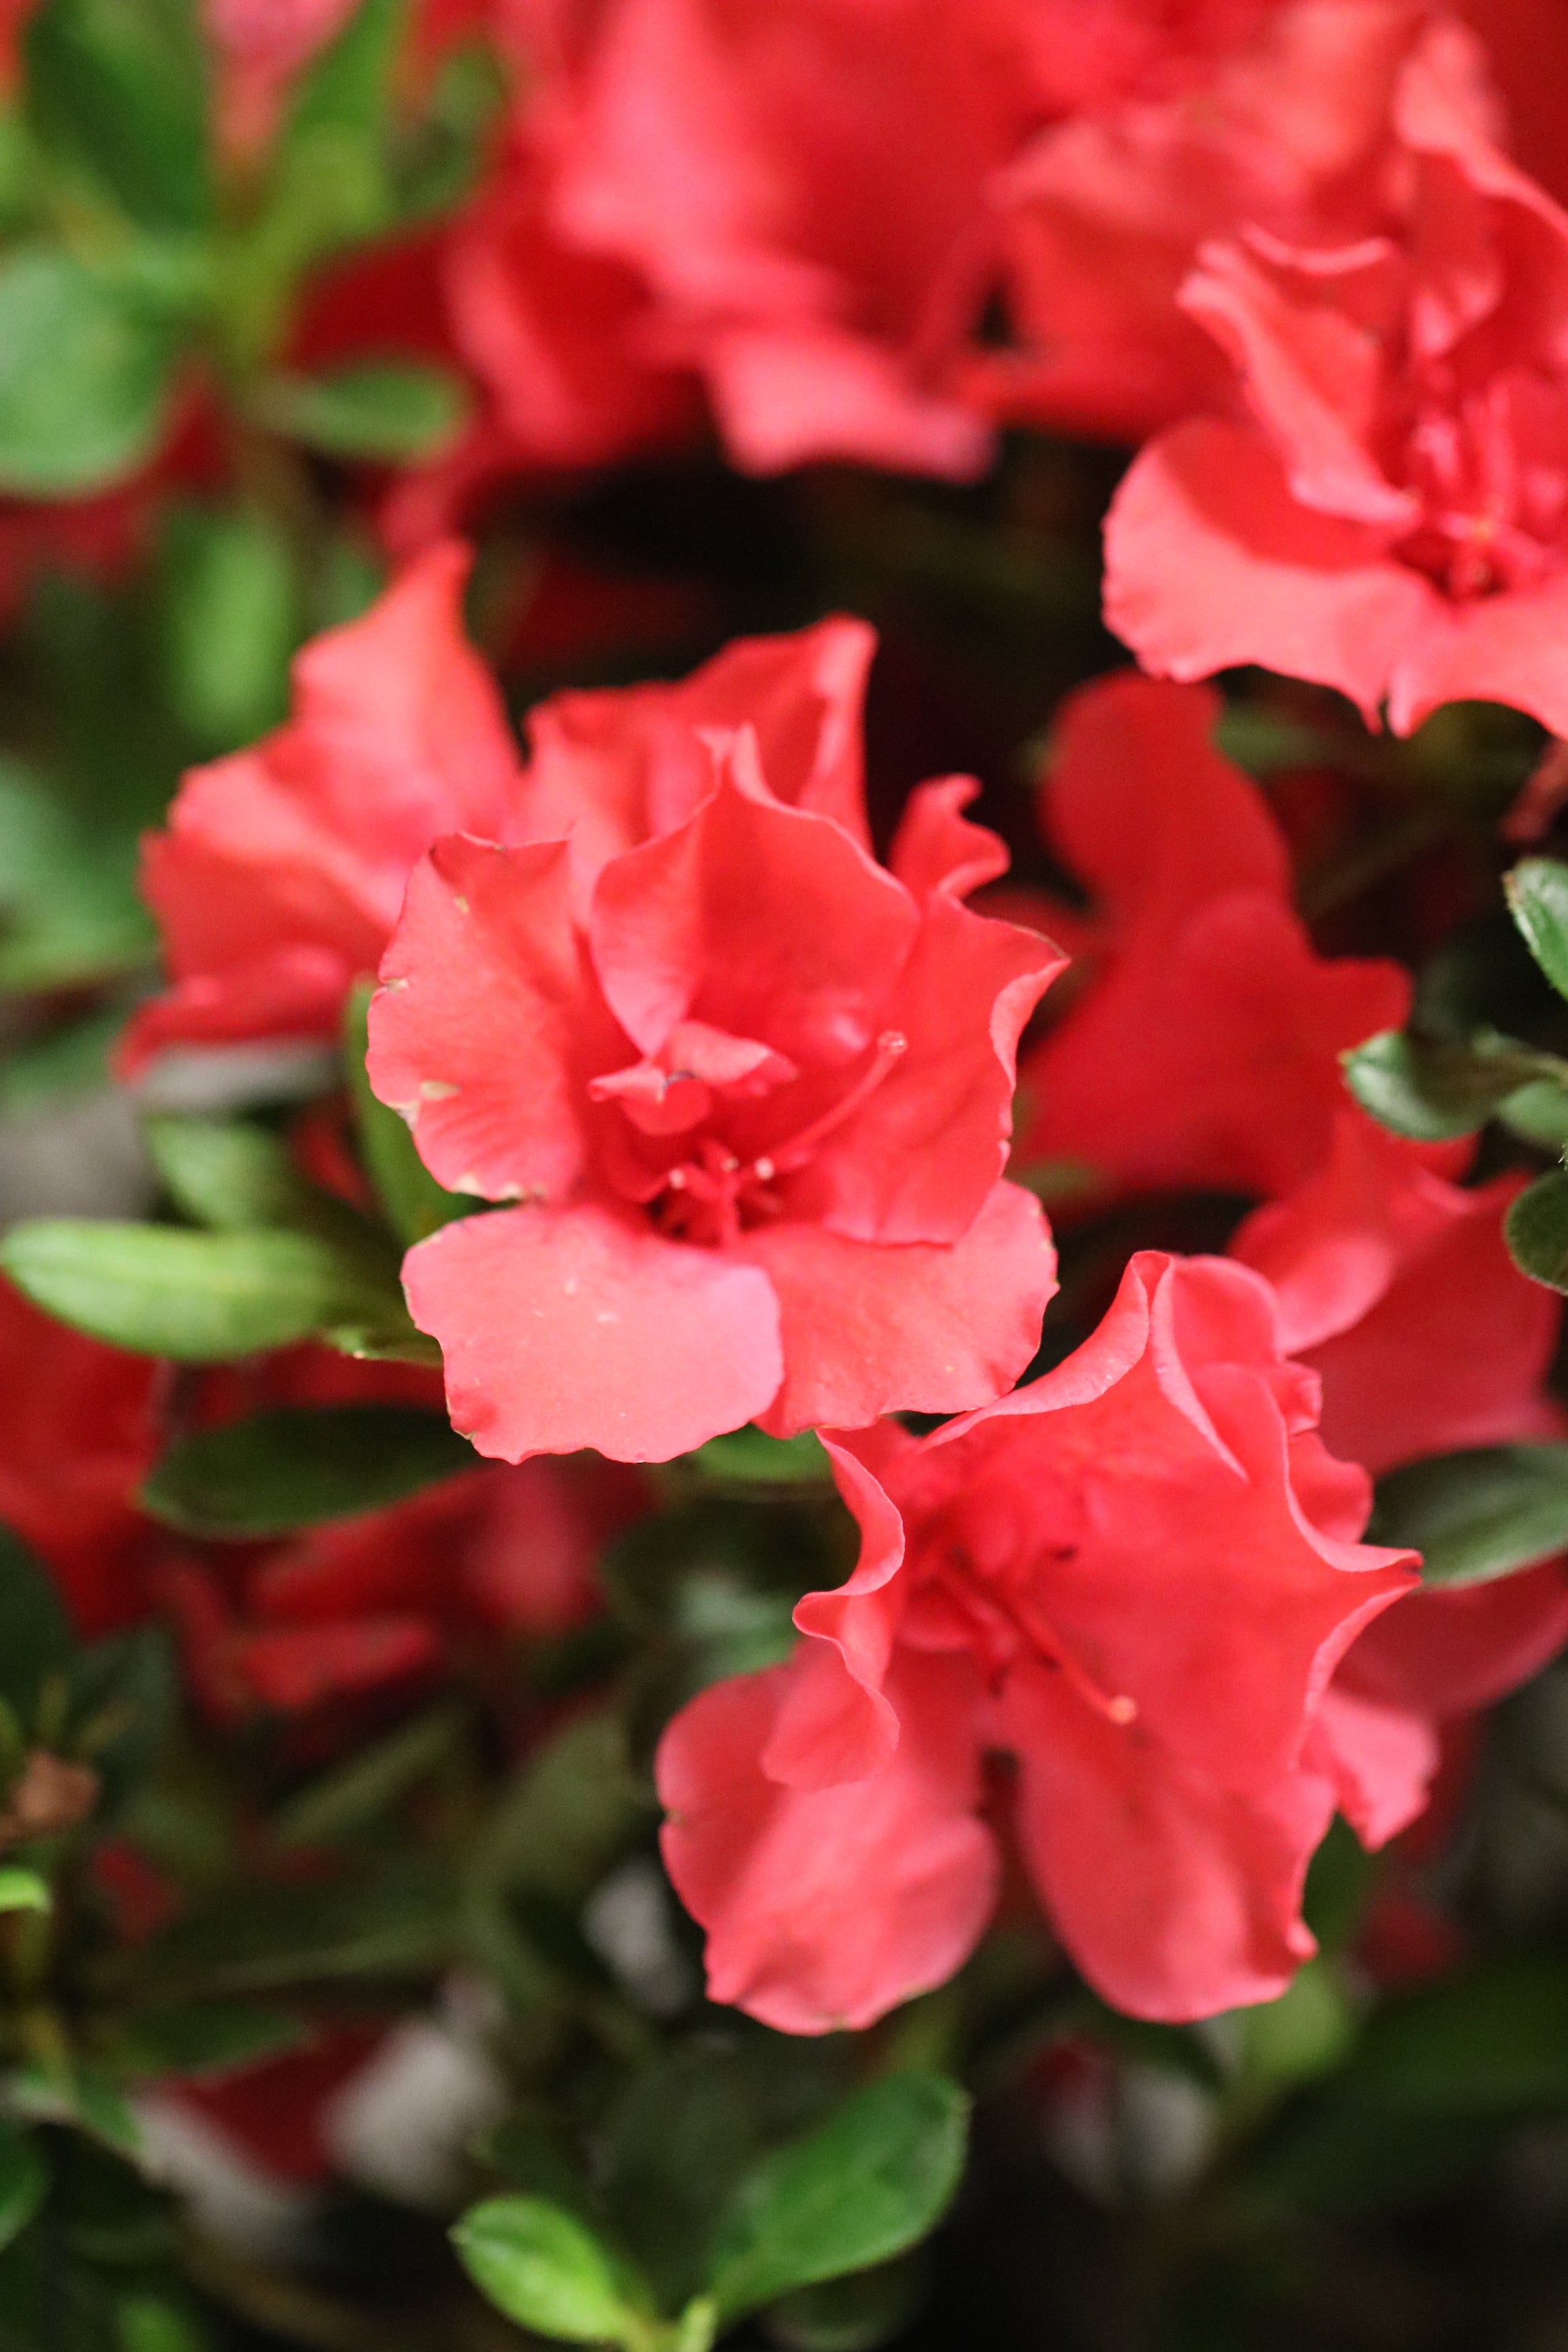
[[1493, 2040], [874, 2180], [330, 185], [1536, 1230], [1538, 898], [24, 1890], [228, 1173], [118, 88], [199, 1298], [550, 2272], [1430, 1089], [35, 1637], [297, 1468], [149, 2323], [750, 1458], [363, 1790], [69, 910], [193, 2039], [1477, 1516], [255, 1938], [394, 411], [849, 2315], [84, 369], [412, 1198], [24, 2179], [1303, 2035], [229, 620], [124, 1694]]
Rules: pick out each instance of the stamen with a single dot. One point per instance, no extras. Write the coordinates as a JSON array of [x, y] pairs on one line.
[[785, 1159]]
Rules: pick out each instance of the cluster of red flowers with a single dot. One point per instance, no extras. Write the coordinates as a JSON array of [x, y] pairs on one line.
[[732, 1097]]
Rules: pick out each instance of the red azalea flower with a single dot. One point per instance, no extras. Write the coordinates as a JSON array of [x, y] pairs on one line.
[[1288, 129], [1393, 519], [1206, 1051], [397, 1593], [77, 1435], [283, 867], [756, 1098], [799, 195], [1384, 1273], [282, 870], [1136, 1575]]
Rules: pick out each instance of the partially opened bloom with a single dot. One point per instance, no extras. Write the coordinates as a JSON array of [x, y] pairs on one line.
[[1205, 1050], [1286, 128], [752, 1101], [1136, 1577], [1387, 513], [1396, 1286], [282, 869]]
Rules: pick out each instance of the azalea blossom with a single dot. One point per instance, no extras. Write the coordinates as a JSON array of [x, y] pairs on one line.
[[1135, 1576], [1286, 128], [1385, 1272], [1204, 1049], [282, 869], [752, 1100], [1387, 512]]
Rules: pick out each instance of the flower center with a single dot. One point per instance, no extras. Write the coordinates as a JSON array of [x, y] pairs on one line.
[[1003, 1617], [713, 1192], [1488, 470]]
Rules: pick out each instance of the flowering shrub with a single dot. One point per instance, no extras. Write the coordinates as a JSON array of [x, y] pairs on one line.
[[783, 1174]]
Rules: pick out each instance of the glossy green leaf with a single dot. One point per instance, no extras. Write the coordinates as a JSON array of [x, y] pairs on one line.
[[229, 618], [193, 2039], [1490, 2040], [24, 2179], [124, 1696], [1478, 1514], [199, 1298], [118, 89], [1538, 897], [400, 1921], [295, 1469], [749, 1457], [412, 1200], [23, 1890], [228, 1173], [849, 2315], [1429, 1089], [85, 370], [1536, 1230], [397, 412], [549, 2270], [358, 1794], [36, 1639], [149, 2323], [872, 2181], [69, 910]]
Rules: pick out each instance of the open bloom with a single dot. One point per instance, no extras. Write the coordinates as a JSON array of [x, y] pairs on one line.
[[1286, 129], [1135, 1576], [754, 1101], [1390, 519], [1205, 1050], [1396, 1286], [280, 874]]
